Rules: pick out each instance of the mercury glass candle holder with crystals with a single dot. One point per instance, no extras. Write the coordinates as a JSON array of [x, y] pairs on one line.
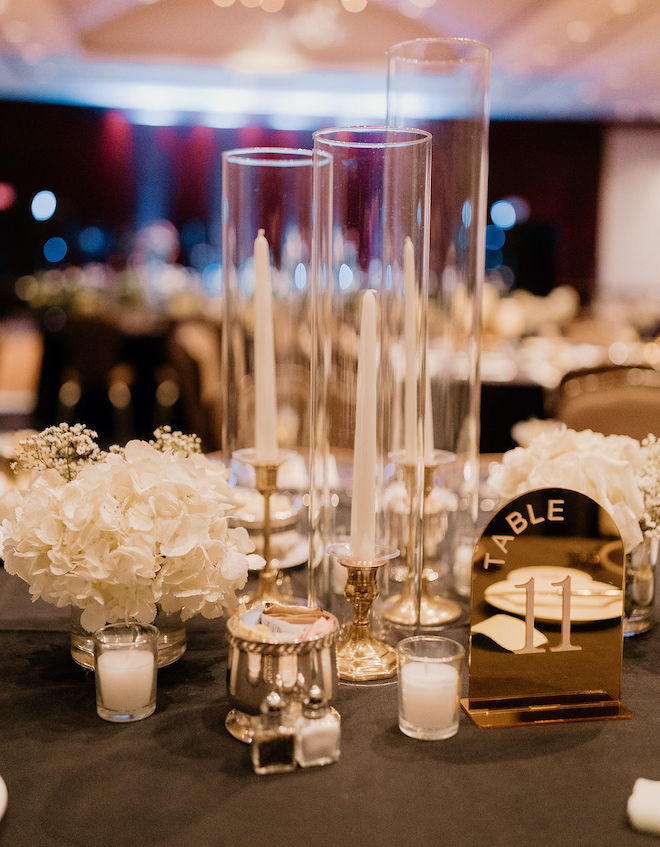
[[368, 334], [442, 85], [267, 232]]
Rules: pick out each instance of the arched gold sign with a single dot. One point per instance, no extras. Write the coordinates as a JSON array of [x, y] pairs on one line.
[[546, 630]]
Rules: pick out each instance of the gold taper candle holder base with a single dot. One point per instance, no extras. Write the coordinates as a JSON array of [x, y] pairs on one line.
[[360, 656], [265, 473], [401, 609]]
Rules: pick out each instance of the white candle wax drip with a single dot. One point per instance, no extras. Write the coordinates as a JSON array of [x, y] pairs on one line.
[[429, 694], [265, 408], [126, 678], [363, 504]]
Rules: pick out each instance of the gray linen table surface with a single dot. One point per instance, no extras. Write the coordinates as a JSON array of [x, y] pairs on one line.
[[178, 778]]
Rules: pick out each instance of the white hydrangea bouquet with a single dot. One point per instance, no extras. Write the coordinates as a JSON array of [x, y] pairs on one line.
[[620, 473], [117, 533]]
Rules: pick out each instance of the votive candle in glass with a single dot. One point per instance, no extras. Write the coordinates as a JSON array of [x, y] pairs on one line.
[[126, 664], [429, 686]]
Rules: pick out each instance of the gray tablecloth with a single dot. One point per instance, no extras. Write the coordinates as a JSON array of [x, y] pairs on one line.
[[179, 779], [19, 611]]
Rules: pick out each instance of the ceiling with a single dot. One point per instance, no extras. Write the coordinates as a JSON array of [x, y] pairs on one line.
[[224, 58]]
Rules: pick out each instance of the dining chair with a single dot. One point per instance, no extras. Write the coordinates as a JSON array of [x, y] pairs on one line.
[[612, 399], [194, 353]]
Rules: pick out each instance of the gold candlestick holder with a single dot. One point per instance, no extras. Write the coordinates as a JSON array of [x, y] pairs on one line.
[[402, 609], [360, 656], [265, 474]]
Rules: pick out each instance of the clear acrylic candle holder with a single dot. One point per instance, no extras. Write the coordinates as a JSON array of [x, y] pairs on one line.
[[442, 85], [267, 246], [368, 333], [429, 686], [126, 666]]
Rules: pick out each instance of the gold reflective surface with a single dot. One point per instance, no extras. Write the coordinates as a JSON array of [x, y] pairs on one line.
[[547, 599]]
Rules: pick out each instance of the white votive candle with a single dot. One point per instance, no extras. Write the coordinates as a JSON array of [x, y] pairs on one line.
[[126, 679], [429, 695], [429, 680]]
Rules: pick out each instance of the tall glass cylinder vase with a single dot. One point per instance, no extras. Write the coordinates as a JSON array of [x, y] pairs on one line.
[[442, 85], [267, 243], [368, 385]]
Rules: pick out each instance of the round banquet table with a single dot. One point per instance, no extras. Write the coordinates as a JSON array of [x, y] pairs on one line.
[[178, 778]]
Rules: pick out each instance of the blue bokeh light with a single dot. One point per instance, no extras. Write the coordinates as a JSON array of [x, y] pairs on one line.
[[212, 279], [345, 277], [55, 249], [463, 238], [503, 214], [495, 237], [466, 214], [300, 276], [43, 205], [203, 254], [91, 240]]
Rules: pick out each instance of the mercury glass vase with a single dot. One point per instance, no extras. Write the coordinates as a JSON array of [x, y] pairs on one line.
[[442, 85], [171, 639]]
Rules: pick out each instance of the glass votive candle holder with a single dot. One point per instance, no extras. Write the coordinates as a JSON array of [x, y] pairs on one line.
[[429, 686], [126, 664]]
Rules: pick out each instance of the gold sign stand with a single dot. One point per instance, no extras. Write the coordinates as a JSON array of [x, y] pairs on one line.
[[546, 632]]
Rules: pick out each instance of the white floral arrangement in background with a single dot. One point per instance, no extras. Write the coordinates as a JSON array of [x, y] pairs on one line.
[[117, 533], [619, 472]]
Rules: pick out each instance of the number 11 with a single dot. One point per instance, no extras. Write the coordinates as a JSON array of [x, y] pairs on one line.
[[565, 643]]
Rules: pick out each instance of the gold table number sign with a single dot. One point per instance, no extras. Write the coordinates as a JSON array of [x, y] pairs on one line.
[[546, 633]]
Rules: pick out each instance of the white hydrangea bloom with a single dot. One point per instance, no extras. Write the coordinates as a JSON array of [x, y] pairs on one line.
[[603, 467], [139, 528]]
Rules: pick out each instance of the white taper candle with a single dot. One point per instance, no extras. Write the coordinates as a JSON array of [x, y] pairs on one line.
[[363, 504], [429, 440], [265, 407], [410, 345]]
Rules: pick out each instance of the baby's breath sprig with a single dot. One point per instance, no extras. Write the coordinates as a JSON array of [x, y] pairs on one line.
[[648, 480], [63, 448], [175, 442]]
